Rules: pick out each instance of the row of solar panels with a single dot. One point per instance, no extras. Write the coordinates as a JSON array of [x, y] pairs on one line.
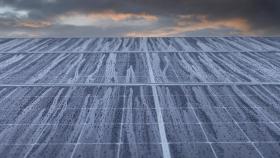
[[141, 44], [132, 67]]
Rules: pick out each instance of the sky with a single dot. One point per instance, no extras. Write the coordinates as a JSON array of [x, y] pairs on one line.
[[92, 18]]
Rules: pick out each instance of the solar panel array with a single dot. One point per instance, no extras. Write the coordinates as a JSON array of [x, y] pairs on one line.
[[198, 97]]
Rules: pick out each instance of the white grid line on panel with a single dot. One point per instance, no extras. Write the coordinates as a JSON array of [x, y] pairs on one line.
[[137, 84], [204, 133], [133, 51], [81, 133], [121, 129], [165, 146], [144, 108], [155, 143], [131, 123], [247, 137]]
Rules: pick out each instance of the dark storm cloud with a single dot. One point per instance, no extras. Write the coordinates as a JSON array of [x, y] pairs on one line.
[[260, 14]]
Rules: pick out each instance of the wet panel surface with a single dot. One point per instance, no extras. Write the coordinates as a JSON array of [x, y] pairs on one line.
[[215, 97]]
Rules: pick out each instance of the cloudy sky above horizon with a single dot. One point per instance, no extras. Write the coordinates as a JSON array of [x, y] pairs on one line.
[[64, 18]]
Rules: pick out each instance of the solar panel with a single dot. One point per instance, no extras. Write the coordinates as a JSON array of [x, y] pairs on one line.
[[140, 97]]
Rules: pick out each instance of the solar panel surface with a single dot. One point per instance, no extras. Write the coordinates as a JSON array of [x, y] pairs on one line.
[[170, 97]]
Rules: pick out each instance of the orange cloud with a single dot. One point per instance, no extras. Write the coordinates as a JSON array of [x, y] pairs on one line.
[[34, 24], [202, 22], [123, 16], [103, 18], [191, 23]]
